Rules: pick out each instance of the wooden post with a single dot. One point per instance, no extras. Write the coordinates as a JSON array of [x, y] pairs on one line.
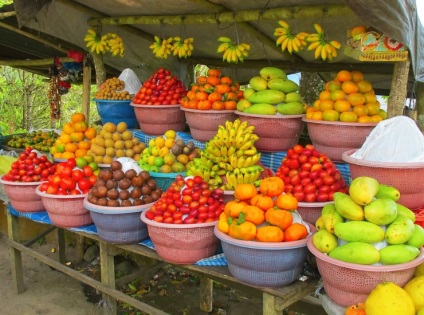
[[15, 254], [62, 246], [86, 89], [420, 105], [107, 277], [99, 67], [206, 294], [398, 89], [268, 305]]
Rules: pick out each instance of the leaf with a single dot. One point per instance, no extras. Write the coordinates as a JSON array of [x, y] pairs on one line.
[[132, 287]]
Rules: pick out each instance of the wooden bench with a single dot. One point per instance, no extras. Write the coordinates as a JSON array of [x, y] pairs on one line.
[[275, 300]]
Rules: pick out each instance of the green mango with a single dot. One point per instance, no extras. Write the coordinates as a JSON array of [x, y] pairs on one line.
[[248, 92], [283, 85], [267, 96], [359, 231], [363, 189], [348, 208], [400, 230], [402, 210], [398, 254], [242, 105], [356, 253], [269, 73], [386, 191], [381, 211], [293, 97], [258, 84], [293, 108], [324, 241], [261, 109], [330, 217], [417, 238]]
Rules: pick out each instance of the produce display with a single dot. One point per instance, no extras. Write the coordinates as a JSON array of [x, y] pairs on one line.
[[70, 179], [229, 158], [112, 89], [213, 91], [30, 167], [188, 200], [168, 154], [38, 140], [114, 141], [348, 98], [75, 138], [256, 216], [115, 187], [271, 92], [367, 226], [161, 89], [310, 175]]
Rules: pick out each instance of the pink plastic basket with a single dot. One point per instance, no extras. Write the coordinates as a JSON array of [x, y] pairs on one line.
[[406, 177], [347, 283], [335, 137], [276, 132], [310, 211], [65, 210], [204, 123], [264, 264], [419, 217], [157, 119], [182, 243], [22, 196]]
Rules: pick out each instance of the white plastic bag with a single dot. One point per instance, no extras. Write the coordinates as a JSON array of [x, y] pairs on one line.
[[129, 163], [397, 140], [132, 83]]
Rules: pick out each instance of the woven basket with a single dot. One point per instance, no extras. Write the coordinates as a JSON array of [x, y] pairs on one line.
[[406, 177], [264, 264], [164, 180], [22, 196], [335, 137], [276, 132], [204, 123], [182, 243], [65, 210], [347, 283]]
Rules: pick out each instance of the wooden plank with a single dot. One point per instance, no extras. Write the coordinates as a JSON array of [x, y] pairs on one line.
[[206, 294], [107, 273], [62, 246], [420, 105], [15, 255], [398, 89], [38, 62], [86, 279]]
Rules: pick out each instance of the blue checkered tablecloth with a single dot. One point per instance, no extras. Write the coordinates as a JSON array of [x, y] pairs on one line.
[[43, 217]]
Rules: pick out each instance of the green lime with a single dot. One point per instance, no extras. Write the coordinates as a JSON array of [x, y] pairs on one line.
[[159, 161], [93, 166], [81, 162]]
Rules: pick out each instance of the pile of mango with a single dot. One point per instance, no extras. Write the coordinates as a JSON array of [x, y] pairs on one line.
[[367, 226], [271, 92], [38, 140]]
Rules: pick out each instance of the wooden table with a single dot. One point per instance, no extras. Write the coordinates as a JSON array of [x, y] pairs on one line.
[[275, 300]]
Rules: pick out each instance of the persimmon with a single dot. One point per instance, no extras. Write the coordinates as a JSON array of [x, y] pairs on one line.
[[184, 101], [344, 75], [201, 80], [271, 186], [269, 234], [222, 88], [218, 105], [213, 80], [201, 96], [356, 309], [278, 217], [295, 232], [191, 94], [192, 104], [215, 96], [246, 191], [286, 202], [231, 96], [214, 72], [262, 202], [230, 105], [233, 208], [77, 117], [226, 80], [204, 105]]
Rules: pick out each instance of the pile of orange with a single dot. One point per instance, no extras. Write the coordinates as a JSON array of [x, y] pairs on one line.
[[213, 91], [348, 98], [74, 140]]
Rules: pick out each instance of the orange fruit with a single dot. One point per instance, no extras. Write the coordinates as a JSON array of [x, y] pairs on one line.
[[330, 115], [90, 133], [325, 105], [377, 118], [348, 117], [333, 85], [84, 144], [68, 128], [357, 76], [338, 95], [57, 155], [77, 117], [342, 106], [316, 104], [77, 136], [295, 232], [370, 97], [71, 147], [80, 126], [357, 30], [343, 76], [286, 202], [68, 155], [360, 110], [373, 108], [317, 115], [365, 119], [324, 95], [356, 99], [309, 112], [364, 86], [64, 138], [80, 153], [349, 87]]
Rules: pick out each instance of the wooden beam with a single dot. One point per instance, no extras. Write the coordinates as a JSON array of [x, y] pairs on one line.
[[420, 105], [86, 89], [399, 89], [37, 62], [315, 11], [4, 15]]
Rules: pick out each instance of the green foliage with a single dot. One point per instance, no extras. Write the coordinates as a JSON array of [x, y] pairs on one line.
[[5, 2]]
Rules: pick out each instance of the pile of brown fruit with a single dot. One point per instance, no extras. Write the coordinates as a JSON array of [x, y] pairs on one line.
[[112, 89], [116, 188]]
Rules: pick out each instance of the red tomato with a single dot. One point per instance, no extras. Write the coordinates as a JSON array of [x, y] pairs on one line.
[[52, 189], [43, 186], [322, 197], [303, 158], [87, 171], [66, 171], [68, 183], [310, 197], [310, 188], [92, 179], [300, 196], [84, 184], [74, 192], [77, 175], [298, 149], [71, 162], [328, 180], [168, 220]]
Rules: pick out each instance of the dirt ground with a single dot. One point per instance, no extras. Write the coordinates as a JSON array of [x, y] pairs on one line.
[[49, 292]]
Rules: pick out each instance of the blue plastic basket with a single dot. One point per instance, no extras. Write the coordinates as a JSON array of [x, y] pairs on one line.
[[164, 180], [116, 112]]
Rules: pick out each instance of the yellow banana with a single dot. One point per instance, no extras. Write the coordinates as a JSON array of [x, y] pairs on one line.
[[318, 28], [223, 47], [224, 39], [256, 158], [247, 162], [240, 178], [240, 162], [284, 44], [224, 151], [323, 53], [280, 39], [233, 161], [297, 44], [302, 35], [284, 24], [335, 44], [290, 46], [318, 52], [246, 178], [91, 31], [313, 46], [251, 151], [280, 31], [313, 38]]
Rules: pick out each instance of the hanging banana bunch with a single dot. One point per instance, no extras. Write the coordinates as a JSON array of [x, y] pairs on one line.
[[288, 40], [182, 48], [116, 45], [322, 48], [161, 47], [232, 52], [100, 44]]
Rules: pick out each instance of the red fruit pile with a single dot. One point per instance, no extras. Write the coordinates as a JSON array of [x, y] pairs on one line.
[[309, 175], [69, 179], [30, 168], [188, 201], [161, 89]]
